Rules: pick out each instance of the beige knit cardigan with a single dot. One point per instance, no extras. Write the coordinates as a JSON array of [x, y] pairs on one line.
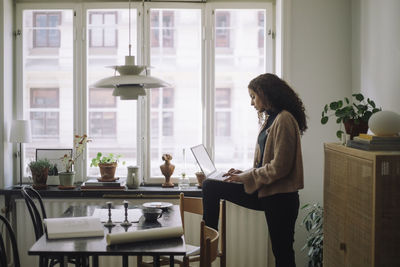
[[282, 165]]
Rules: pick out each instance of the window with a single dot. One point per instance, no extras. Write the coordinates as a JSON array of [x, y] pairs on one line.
[[208, 65], [222, 29], [112, 123], [46, 32], [222, 112], [46, 78], [232, 103], [44, 113], [162, 28], [103, 29], [261, 18]]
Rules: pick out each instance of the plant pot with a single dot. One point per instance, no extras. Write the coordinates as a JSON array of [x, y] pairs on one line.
[[66, 178], [354, 129], [107, 171], [39, 178]]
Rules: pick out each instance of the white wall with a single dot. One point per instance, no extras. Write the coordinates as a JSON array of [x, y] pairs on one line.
[[320, 71], [376, 51], [6, 85]]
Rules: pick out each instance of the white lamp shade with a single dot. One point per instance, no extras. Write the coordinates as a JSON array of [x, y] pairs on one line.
[[134, 80], [20, 131], [128, 92]]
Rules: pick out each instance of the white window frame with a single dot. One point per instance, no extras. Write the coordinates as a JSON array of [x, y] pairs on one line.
[[80, 105]]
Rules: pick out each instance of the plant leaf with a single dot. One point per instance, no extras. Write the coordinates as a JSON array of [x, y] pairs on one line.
[[324, 120], [339, 134]]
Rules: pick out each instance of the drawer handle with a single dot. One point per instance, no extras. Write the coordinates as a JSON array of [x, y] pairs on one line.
[[342, 246]]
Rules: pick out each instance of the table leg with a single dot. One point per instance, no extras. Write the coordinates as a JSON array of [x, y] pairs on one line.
[[156, 261], [125, 261], [171, 261], [95, 261]]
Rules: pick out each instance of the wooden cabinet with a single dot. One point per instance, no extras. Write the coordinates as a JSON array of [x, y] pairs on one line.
[[361, 207]]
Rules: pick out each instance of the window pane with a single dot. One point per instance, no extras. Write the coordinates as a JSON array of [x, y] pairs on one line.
[[238, 59], [176, 116], [48, 78], [112, 122]]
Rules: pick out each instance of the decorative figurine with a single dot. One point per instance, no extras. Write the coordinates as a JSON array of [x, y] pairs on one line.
[[167, 169], [126, 222], [109, 223]]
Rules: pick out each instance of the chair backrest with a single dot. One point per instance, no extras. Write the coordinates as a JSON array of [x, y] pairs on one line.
[[29, 195], [195, 205], [3, 251], [209, 245]]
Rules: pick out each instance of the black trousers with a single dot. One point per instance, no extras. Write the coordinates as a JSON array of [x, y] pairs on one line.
[[280, 210]]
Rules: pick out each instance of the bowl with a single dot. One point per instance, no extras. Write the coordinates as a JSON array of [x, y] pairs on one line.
[[152, 214]]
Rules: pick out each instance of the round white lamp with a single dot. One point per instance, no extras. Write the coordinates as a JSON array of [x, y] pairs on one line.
[[384, 123]]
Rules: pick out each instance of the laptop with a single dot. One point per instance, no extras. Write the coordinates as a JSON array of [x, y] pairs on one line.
[[205, 163]]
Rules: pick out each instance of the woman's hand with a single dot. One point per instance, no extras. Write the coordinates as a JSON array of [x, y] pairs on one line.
[[233, 178], [231, 172], [232, 175]]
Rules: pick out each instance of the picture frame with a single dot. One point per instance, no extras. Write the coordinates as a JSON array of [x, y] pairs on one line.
[[54, 156]]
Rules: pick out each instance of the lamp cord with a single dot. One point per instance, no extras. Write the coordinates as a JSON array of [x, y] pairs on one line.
[[130, 45]]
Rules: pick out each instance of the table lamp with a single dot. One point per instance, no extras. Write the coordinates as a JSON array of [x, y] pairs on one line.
[[20, 133]]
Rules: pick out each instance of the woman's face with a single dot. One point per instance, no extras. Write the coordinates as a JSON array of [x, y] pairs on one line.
[[256, 101]]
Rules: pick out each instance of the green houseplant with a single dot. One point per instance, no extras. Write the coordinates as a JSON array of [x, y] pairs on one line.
[[313, 222], [40, 171], [353, 114], [68, 176], [107, 164]]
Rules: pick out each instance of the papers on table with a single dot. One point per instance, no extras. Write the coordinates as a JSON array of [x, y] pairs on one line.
[[118, 215], [73, 227], [144, 235]]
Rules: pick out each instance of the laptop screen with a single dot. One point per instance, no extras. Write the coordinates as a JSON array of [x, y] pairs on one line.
[[203, 159]]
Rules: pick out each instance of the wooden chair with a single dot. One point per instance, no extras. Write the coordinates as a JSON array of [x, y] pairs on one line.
[[4, 260], [209, 245], [29, 194], [195, 205]]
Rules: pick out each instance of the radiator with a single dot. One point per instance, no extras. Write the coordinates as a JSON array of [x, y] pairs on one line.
[[247, 234]]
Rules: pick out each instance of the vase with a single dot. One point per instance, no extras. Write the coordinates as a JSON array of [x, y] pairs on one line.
[[39, 178], [354, 129], [167, 169], [107, 171], [66, 178]]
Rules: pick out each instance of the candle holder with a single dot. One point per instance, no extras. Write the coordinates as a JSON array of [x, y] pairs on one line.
[[109, 223], [126, 222]]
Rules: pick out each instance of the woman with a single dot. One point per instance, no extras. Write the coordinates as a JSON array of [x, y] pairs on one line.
[[272, 184]]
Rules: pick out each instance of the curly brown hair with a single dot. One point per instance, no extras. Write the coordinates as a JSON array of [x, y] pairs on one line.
[[276, 92]]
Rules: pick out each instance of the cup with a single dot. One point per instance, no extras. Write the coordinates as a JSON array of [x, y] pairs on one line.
[[200, 178], [152, 214]]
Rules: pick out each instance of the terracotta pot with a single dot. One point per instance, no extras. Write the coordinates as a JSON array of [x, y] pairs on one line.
[[355, 129], [40, 178], [107, 171]]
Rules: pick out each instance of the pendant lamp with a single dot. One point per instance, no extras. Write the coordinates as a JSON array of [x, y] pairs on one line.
[[132, 79]]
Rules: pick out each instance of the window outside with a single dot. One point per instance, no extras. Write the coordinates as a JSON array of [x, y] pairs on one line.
[[239, 57], [111, 122], [176, 112], [47, 69]]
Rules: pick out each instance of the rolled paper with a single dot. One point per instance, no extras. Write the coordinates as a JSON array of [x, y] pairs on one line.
[[144, 235]]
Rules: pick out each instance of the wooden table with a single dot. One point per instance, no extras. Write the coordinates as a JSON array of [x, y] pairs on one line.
[[97, 246]]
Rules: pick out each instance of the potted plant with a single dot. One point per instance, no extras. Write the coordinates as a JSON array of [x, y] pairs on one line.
[[313, 221], [40, 171], [68, 176], [354, 115], [107, 164]]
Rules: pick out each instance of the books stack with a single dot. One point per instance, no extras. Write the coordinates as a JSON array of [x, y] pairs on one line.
[[94, 184], [375, 143]]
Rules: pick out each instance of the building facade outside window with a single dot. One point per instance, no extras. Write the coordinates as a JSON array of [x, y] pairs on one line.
[[46, 32], [103, 31]]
